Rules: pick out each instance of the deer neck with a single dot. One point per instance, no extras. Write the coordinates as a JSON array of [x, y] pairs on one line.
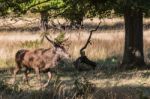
[[56, 59]]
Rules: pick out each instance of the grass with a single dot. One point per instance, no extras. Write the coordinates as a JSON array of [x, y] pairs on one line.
[[106, 82], [81, 85]]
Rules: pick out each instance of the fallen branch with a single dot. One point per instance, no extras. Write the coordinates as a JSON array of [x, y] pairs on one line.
[[83, 58], [88, 40]]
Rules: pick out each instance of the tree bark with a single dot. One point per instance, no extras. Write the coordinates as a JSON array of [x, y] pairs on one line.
[[77, 22], [44, 20], [133, 50]]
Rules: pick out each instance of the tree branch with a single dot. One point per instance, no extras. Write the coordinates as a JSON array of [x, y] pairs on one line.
[[52, 42], [36, 5], [88, 40], [83, 58]]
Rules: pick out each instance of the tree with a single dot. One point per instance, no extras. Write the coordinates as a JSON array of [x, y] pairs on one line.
[[83, 58], [19, 7], [133, 50], [74, 12], [45, 10], [133, 11], [44, 20]]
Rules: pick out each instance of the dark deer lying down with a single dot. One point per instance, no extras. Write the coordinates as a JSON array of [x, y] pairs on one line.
[[40, 60]]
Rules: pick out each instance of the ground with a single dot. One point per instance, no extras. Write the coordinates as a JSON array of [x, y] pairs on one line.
[[107, 81]]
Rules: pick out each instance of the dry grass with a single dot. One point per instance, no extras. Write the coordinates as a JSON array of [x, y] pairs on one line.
[[104, 83], [99, 50]]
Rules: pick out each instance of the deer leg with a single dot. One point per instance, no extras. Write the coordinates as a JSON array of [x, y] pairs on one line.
[[38, 76], [16, 70], [49, 78], [26, 76]]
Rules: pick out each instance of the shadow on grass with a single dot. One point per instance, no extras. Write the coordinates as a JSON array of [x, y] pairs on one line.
[[21, 29], [64, 91], [68, 89], [123, 92], [107, 68]]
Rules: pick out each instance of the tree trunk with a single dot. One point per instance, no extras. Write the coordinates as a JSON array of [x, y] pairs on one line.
[[44, 20], [77, 22], [133, 50]]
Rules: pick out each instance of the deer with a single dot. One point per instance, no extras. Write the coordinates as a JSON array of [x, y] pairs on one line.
[[40, 60]]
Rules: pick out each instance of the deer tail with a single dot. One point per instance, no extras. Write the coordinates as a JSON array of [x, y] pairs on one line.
[[19, 57]]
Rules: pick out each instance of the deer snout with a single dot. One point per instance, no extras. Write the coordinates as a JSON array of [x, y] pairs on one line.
[[68, 56]]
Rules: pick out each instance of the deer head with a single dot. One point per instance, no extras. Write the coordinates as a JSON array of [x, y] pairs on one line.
[[59, 49]]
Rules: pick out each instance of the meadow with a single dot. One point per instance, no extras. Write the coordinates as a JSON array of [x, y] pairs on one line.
[[106, 49]]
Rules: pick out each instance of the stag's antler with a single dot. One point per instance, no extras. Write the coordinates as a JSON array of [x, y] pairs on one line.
[[89, 39], [52, 42], [65, 43], [57, 41]]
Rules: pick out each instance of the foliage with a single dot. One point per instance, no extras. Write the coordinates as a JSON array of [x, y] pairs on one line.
[[73, 9], [83, 87], [18, 6], [31, 44], [60, 38], [7, 6], [48, 6]]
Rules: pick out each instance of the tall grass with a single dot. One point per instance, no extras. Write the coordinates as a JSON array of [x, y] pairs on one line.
[[100, 49], [107, 45]]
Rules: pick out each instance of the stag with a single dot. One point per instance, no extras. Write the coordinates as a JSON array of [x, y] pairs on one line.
[[40, 60]]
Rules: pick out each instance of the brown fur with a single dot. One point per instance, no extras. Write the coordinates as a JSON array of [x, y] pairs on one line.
[[40, 60]]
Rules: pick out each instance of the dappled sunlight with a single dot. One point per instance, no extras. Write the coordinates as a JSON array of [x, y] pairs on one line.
[[107, 81]]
